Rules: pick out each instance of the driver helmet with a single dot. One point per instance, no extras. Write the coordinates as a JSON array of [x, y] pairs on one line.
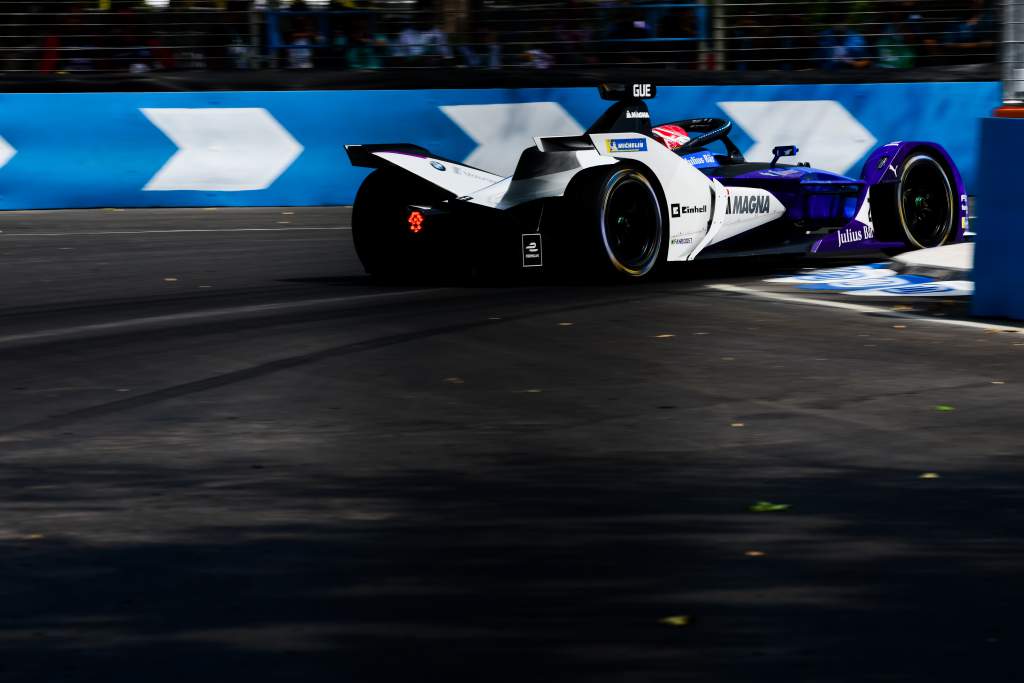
[[671, 136]]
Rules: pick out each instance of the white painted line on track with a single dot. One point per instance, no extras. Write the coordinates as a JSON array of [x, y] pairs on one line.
[[861, 308], [197, 316], [150, 232]]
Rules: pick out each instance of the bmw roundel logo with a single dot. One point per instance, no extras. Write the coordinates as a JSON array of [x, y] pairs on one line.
[[437, 164]]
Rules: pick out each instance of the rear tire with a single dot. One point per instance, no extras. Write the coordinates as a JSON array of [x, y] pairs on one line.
[[621, 221], [380, 223], [920, 208]]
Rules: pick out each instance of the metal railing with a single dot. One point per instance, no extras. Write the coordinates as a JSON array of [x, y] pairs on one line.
[[140, 36], [1013, 51]]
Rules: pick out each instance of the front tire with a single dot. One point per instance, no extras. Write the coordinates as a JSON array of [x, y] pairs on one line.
[[920, 208], [622, 221]]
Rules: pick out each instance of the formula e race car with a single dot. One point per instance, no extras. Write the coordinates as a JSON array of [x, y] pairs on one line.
[[625, 197]]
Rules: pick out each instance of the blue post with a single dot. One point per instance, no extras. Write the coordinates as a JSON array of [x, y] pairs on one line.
[[999, 251]]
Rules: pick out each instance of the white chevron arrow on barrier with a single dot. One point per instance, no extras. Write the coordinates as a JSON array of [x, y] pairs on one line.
[[828, 136], [503, 131], [6, 152], [222, 150]]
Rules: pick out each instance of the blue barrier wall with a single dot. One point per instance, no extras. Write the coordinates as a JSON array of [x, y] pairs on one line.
[[287, 148], [998, 279]]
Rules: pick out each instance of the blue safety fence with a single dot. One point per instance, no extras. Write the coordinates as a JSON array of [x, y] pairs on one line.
[[288, 148]]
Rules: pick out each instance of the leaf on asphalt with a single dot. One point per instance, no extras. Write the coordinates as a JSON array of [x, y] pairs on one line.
[[566, 324], [170, 279], [929, 475], [738, 424], [664, 336], [767, 506], [676, 620], [754, 553], [944, 408]]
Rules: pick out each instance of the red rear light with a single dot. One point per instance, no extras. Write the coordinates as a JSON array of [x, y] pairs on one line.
[[415, 221]]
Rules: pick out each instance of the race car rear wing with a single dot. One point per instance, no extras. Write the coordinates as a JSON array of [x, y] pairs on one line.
[[456, 178], [618, 92], [366, 155]]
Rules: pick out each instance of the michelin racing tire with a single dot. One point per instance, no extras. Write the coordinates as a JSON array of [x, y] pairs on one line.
[[380, 224], [621, 219], [920, 208]]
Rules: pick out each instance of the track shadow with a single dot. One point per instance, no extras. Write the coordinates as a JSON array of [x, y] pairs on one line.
[[517, 570]]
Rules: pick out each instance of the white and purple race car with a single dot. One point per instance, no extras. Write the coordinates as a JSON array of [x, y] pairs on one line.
[[626, 197]]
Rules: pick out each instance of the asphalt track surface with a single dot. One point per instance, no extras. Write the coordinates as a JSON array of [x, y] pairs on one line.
[[228, 455]]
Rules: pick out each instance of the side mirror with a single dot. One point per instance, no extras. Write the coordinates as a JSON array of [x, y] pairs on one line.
[[783, 151]]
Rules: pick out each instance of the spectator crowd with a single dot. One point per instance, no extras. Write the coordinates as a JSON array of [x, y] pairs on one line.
[[138, 36], [865, 34]]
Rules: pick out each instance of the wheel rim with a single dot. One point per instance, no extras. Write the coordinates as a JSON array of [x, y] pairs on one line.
[[925, 202], [631, 223]]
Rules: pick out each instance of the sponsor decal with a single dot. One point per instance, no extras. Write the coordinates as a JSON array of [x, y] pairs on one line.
[[679, 210], [850, 235], [875, 280], [782, 172], [681, 240], [437, 165], [626, 145], [750, 204], [865, 283], [638, 115], [457, 170], [700, 159], [965, 211], [874, 270], [882, 162], [948, 288], [533, 252]]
